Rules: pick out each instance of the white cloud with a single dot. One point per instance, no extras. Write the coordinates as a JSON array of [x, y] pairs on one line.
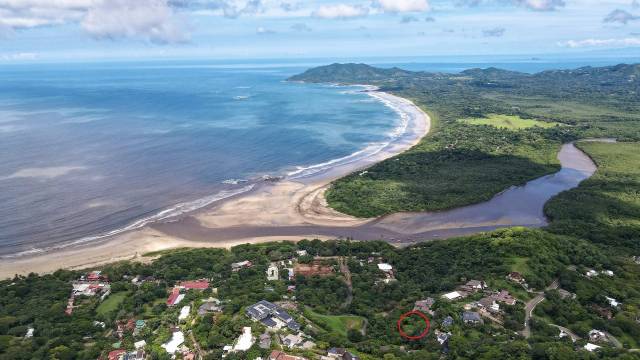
[[600, 42], [541, 5], [620, 16], [19, 56], [264, 31], [152, 20], [340, 11], [403, 5]]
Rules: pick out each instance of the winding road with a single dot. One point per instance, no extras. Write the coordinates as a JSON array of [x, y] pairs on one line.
[[530, 306]]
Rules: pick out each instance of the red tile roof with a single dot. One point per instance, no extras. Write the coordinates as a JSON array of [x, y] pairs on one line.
[[116, 354], [195, 285], [174, 295]]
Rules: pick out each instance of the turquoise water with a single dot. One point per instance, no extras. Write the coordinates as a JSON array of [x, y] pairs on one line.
[[90, 150]]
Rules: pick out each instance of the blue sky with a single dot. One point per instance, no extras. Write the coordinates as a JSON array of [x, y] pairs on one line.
[[62, 30]]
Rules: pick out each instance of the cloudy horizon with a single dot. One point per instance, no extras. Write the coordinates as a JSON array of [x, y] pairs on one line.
[[43, 30]]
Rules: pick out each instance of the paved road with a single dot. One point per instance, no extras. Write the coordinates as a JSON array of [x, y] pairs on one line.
[[571, 334], [530, 306]]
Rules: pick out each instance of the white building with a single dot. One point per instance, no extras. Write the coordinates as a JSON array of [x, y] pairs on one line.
[[591, 347], [139, 344], [272, 273], [184, 313], [245, 341], [452, 295], [613, 302], [385, 267], [177, 339]]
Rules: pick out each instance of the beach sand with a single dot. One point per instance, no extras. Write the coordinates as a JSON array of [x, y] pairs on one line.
[[296, 203]]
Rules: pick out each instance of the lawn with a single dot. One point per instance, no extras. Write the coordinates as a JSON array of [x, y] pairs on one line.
[[112, 303], [509, 122], [337, 324]]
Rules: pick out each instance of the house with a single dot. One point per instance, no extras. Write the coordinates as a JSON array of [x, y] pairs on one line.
[[265, 341], [425, 305], [302, 253], [489, 303], [607, 272], [291, 274], [139, 344], [209, 306], [339, 354], [442, 336], [201, 284], [636, 259], [177, 339], [452, 295], [473, 286], [237, 266], [591, 273], [448, 321], [515, 277], [279, 355], [291, 341], [96, 276], [245, 341], [80, 288], [272, 272], [504, 297], [117, 354], [271, 315], [613, 302], [597, 336], [184, 313], [472, 318], [384, 267], [591, 347], [602, 312], [175, 297]]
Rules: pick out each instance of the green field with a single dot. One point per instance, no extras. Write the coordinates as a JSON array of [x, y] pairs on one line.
[[112, 303], [510, 122], [336, 324]]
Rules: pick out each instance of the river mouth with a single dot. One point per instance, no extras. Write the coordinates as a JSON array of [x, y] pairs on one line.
[[516, 206]]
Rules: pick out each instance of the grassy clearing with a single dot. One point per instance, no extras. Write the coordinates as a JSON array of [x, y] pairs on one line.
[[509, 122], [337, 324], [112, 303]]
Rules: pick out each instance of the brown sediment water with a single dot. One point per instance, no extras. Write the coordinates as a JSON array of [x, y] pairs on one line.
[[516, 206]]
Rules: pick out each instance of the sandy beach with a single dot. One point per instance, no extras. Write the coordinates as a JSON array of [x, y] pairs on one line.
[[294, 203]]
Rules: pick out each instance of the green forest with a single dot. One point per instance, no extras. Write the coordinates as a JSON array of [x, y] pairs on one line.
[[460, 163], [565, 251], [585, 265]]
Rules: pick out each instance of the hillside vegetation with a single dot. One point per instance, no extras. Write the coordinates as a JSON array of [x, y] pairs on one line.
[[460, 164]]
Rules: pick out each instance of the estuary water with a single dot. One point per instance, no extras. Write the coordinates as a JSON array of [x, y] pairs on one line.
[[88, 151]]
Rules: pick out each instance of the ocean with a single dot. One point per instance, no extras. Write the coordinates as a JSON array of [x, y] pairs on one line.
[[88, 151], [92, 150]]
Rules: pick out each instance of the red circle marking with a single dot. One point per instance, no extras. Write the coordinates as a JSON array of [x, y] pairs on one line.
[[422, 316]]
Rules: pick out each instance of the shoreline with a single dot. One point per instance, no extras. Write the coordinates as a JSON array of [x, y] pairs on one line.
[[293, 201]]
